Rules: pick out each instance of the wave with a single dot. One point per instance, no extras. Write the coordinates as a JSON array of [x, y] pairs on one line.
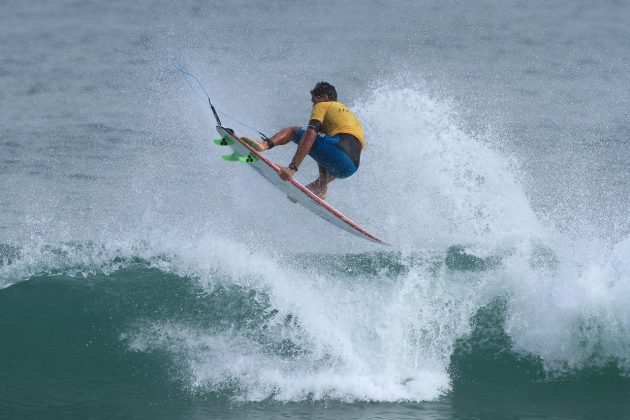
[[244, 316], [378, 327]]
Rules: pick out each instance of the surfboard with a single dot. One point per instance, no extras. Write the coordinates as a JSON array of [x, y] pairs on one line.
[[296, 192]]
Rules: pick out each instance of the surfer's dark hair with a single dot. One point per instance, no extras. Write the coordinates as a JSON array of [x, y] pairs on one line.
[[322, 88]]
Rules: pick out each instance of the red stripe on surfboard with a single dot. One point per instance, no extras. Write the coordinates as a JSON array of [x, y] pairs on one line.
[[305, 190]]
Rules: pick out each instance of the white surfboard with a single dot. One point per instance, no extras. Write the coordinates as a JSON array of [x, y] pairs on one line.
[[295, 191]]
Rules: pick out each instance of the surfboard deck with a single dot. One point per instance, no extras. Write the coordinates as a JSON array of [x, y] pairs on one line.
[[294, 191]]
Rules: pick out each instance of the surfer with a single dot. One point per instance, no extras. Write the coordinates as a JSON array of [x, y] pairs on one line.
[[333, 137]]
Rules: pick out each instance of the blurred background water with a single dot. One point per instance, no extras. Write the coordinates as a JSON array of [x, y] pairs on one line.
[[142, 276]]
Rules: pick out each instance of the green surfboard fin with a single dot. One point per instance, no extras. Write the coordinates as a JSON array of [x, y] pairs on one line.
[[248, 159], [231, 158], [224, 141], [234, 157]]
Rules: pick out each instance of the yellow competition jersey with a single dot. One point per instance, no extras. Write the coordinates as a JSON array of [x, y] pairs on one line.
[[337, 118]]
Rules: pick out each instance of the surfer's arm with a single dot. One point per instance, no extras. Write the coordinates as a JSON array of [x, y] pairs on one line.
[[306, 142]]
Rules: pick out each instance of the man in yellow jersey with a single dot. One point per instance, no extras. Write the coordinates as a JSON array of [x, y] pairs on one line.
[[333, 137]]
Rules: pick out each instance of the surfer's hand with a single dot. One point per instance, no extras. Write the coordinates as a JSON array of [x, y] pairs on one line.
[[285, 173]]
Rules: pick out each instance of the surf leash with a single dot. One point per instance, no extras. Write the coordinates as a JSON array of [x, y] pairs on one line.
[[186, 74], [181, 69]]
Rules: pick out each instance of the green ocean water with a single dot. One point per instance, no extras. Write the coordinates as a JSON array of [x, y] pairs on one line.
[[67, 353]]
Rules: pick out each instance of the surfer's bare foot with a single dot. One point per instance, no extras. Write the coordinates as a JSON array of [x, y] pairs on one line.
[[258, 146], [316, 188]]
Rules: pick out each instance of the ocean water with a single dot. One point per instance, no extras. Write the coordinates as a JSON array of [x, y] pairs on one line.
[[143, 277]]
